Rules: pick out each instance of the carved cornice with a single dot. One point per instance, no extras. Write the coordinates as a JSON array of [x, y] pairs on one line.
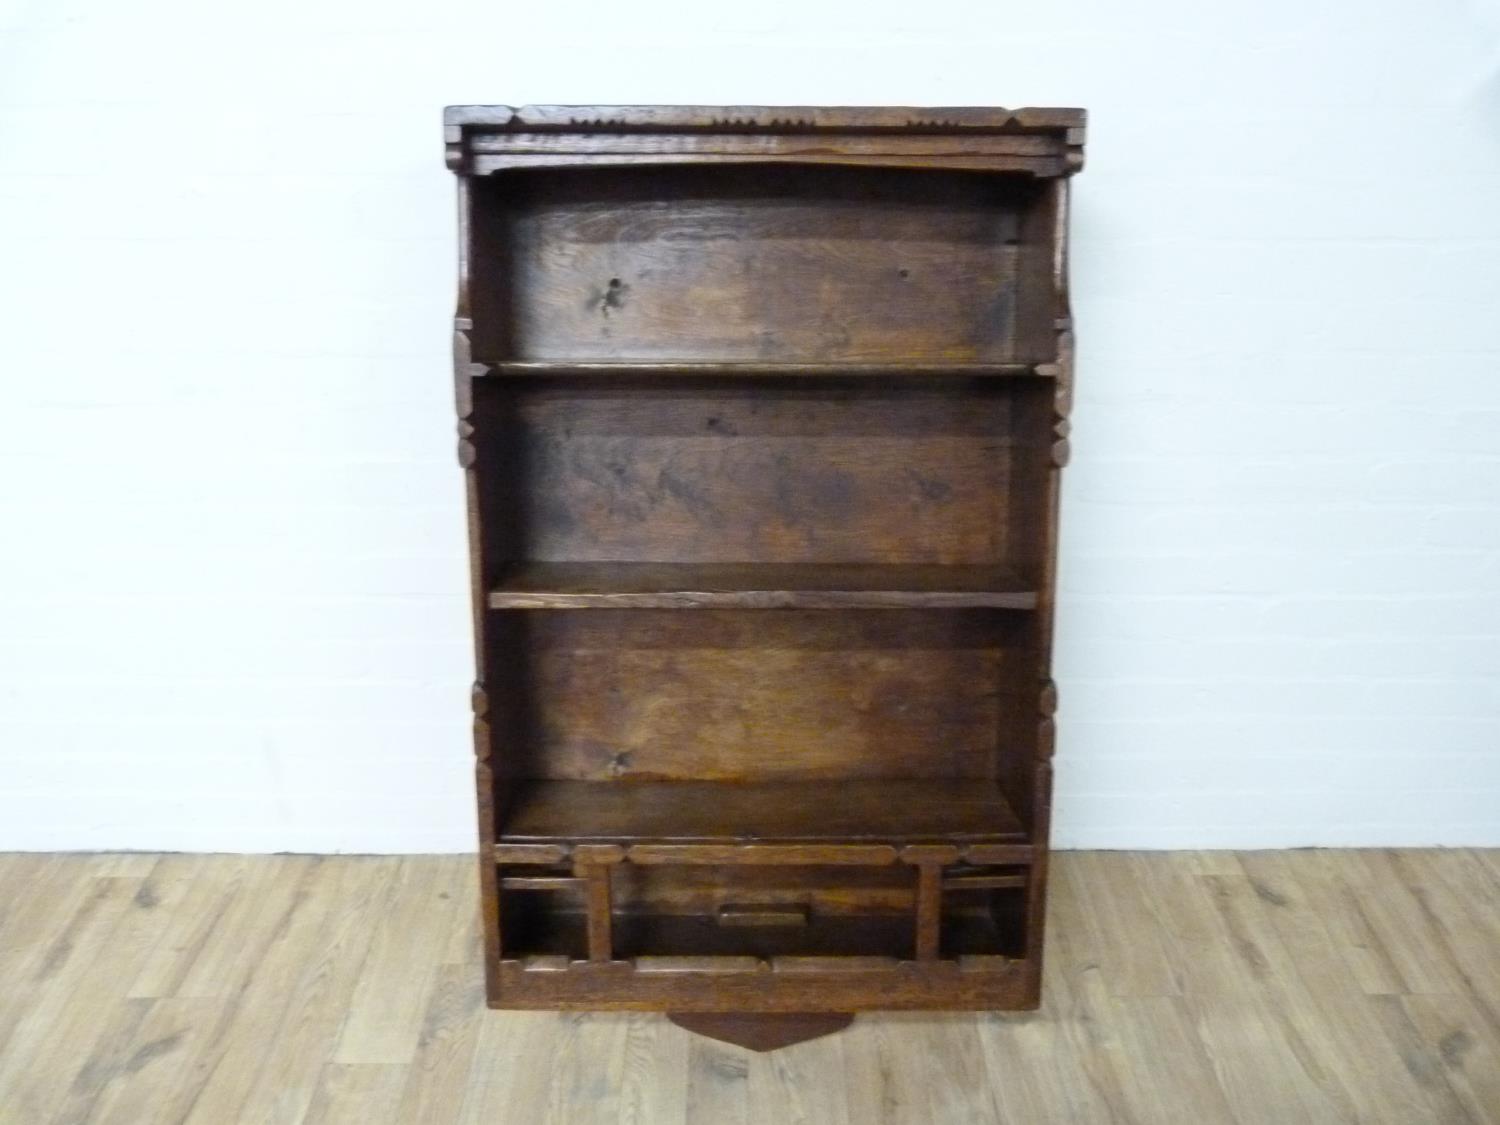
[[1039, 141], [790, 119]]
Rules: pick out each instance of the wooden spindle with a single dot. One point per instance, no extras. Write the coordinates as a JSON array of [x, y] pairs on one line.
[[929, 910], [593, 863], [929, 859]]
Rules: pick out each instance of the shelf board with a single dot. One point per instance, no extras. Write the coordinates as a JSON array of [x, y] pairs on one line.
[[617, 585], [892, 812], [913, 368], [854, 942]]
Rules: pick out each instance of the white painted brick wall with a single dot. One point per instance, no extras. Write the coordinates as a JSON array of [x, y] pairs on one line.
[[232, 594]]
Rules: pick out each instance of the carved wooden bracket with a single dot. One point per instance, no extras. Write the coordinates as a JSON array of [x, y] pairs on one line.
[[467, 454], [465, 371], [1046, 701], [479, 701], [1046, 731], [1062, 399]]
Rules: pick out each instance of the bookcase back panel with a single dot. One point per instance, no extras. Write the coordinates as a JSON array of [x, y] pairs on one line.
[[769, 471], [753, 695], [745, 263]]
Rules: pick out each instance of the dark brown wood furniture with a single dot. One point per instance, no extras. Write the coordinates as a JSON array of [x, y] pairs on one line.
[[762, 412]]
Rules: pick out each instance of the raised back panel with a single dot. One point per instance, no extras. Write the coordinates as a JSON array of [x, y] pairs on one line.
[[752, 470], [769, 695], [756, 263]]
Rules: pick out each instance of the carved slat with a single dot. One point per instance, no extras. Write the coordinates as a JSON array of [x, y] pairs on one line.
[[530, 853], [540, 883], [863, 855], [598, 853]]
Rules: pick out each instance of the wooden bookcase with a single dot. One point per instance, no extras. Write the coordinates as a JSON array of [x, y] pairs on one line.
[[761, 412]]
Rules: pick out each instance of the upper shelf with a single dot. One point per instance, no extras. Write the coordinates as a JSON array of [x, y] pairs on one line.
[[618, 585], [543, 368]]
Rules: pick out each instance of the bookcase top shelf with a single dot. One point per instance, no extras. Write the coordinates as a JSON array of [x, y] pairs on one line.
[[692, 369]]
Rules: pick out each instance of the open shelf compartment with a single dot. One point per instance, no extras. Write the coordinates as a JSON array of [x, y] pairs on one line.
[[604, 908], [774, 264], [762, 492], [699, 877]]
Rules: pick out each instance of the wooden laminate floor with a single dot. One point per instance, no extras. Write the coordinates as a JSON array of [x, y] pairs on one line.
[[1275, 987]]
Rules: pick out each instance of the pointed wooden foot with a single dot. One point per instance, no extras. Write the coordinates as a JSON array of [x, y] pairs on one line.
[[762, 1031]]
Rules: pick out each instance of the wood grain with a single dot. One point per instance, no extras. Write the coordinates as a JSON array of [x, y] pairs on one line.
[[884, 812], [776, 695], [1298, 1038]]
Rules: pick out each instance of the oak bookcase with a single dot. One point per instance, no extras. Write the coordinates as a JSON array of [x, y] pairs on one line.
[[761, 412]]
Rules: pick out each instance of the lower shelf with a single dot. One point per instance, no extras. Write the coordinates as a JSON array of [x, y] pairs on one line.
[[652, 936], [647, 939], [718, 984], [879, 811]]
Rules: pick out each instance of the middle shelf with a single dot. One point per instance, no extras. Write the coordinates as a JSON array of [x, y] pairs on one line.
[[621, 585], [875, 811]]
